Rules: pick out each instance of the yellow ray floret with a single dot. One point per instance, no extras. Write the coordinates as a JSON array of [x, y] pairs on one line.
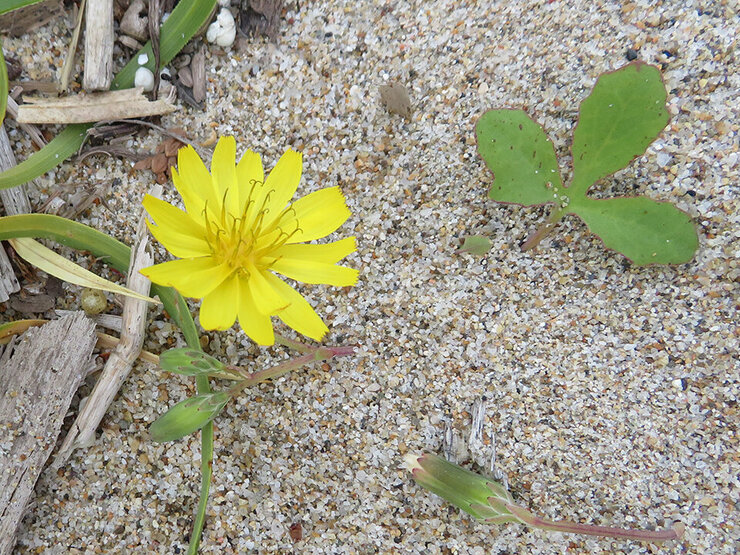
[[238, 230]]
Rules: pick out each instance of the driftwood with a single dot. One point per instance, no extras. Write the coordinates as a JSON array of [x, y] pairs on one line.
[[86, 108], [16, 202], [98, 45], [122, 358], [38, 377]]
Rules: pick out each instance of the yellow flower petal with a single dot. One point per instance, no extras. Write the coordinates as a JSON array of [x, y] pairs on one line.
[[194, 181], [328, 253], [223, 171], [266, 299], [250, 175], [298, 314], [309, 271], [282, 183], [181, 244], [319, 214], [255, 325], [192, 277], [166, 215], [194, 204], [218, 309]]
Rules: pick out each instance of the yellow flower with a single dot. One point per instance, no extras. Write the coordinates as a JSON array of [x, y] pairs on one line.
[[237, 229]]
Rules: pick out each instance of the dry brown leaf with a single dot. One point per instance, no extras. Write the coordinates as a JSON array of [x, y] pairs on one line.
[[396, 99]]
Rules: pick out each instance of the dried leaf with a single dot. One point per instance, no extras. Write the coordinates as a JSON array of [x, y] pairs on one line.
[[477, 245], [50, 262], [396, 99], [31, 304]]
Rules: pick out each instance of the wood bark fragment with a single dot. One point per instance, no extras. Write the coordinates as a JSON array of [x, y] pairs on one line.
[[98, 72], [93, 107], [198, 72], [18, 22], [32, 130], [15, 201], [123, 357], [38, 377]]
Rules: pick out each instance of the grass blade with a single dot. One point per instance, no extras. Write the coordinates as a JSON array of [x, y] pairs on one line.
[[10, 5], [56, 265], [115, 253]]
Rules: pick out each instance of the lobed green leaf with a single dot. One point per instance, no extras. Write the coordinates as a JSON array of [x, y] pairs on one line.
[[521, 157], [644, 230], [624, 113]]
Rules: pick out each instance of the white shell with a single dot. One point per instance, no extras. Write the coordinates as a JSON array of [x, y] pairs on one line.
[[144, 78], [223, 30]]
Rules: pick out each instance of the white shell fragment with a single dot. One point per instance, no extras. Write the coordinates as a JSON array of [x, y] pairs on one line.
[[144, 78], [223, 30]]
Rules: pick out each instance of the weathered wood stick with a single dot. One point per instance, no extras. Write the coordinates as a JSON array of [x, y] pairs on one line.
[[85, 108], [38, 377], [123, 357], [15, 201], [98, 45]]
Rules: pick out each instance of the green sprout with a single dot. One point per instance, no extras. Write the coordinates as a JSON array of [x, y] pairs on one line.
[[191, 414], [488, 501], [624, 113]]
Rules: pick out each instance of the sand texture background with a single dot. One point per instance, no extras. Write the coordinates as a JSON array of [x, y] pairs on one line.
[[611, 390]]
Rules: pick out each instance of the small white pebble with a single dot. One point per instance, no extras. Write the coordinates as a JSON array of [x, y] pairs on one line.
[[142, 59], [144, 78], [677, 383], [223, 30]]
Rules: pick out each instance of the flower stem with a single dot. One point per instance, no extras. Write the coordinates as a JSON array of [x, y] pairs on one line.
[[295, 345], [534, 239], [593, 530], [315, 354], [206, 472]]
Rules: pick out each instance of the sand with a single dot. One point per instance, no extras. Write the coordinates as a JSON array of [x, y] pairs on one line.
[[611, 390]]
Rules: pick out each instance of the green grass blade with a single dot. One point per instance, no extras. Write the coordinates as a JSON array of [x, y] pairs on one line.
[[115, 253], [10, 5], [183, 23]]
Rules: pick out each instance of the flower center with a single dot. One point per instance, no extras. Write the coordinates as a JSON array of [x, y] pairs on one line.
[[247, 241]]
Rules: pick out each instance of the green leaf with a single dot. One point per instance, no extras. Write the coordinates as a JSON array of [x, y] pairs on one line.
[[56, 265], [184, 21], [619, 119], [477, 245], [521, 157], [188, 416], [10, 5], [115, 253], [190, 362], [644, 230]]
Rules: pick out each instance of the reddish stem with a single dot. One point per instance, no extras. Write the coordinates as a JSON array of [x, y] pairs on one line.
[[540, 233], [593, 530]]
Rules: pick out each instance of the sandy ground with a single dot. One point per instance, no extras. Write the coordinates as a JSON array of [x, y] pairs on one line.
[[611, 390]]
